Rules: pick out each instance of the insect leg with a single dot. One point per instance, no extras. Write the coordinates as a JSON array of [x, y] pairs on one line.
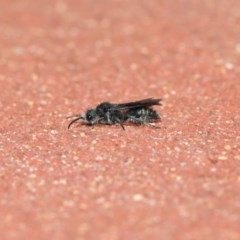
[[121, 124]]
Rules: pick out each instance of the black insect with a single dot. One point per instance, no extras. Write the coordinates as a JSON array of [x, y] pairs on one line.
[[139, 112]]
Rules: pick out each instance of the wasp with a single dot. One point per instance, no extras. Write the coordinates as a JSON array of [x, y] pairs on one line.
[[138, 112]]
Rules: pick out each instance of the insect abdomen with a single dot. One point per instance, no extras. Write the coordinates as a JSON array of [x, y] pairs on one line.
[[142, 115]]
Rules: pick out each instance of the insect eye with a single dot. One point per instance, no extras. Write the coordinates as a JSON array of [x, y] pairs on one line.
[[89, 116]]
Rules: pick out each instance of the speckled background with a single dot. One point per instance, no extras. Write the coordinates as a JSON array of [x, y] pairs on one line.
[[58, 58]]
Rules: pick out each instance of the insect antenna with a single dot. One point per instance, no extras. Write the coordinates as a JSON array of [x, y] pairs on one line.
[[74, 120]]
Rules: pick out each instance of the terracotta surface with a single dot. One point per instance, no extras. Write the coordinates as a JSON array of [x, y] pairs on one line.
[[181, 181]]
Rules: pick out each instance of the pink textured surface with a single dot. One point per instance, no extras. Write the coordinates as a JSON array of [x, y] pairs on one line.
[[61, 57]]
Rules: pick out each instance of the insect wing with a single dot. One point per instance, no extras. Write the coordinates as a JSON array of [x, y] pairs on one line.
[[138, 104]]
